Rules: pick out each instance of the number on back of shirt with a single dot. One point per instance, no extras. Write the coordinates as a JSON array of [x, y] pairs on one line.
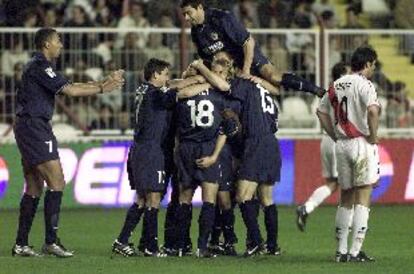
[[268, 104], [201, 113]]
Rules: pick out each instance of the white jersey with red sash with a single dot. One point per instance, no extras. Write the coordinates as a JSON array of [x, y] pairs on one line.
[[347, 102]]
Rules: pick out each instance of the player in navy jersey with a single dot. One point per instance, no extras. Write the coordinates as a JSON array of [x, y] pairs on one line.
[[37, 143], [146, 160], [215, 30], [149, 155], [260, 161], [199, 120]]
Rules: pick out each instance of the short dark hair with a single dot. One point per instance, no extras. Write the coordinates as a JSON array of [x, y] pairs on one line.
[[192, 3], [154, 65], [41, 36], [361, 57], [338, 70]]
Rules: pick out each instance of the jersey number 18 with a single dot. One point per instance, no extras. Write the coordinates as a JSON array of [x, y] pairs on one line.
[[203, 109]]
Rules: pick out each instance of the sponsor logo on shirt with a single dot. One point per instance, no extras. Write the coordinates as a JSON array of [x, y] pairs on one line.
[[50, 72]]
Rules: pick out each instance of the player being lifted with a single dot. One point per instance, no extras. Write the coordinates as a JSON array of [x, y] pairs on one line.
[[215, 30], [349, 113], [329, 169], [37, 143]]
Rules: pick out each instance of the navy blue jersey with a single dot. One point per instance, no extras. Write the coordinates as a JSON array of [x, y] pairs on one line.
[[259, 112], [199, 117], [221, 31], [40, 84], [153, 112]]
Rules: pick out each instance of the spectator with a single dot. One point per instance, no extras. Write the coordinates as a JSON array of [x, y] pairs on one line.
[[79, 18], [303, 15], [106, 119], [8, 89], [13, 53], [104, 16], [131, 57], [352, 19], [322, 6], [328, 19], [297, 42], [276, 52], [275, 14], [246, 11], [51, 18], [169, 40], [155, 49], [134, 18]]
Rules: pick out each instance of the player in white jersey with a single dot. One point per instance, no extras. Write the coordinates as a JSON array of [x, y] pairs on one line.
[[328, 161], [349, 113]]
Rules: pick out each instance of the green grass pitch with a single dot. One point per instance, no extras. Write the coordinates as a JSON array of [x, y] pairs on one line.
[[91, 231]]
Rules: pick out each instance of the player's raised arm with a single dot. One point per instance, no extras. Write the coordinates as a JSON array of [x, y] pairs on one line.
[[193, 90], [112, 82], [248, 50], [186, 82], [211, 77]]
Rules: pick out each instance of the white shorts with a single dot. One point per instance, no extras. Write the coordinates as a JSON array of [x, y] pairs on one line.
[[358, 163], [328, 157]]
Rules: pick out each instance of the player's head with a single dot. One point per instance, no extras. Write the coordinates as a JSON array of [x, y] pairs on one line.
[[193, 11], [223, 68], [48, 41], [340, 69], [224, 55], [363, 60], [157, 72]]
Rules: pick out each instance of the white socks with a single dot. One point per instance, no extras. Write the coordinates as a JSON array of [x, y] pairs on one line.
[[342, 219], [317, 197], [359, 228]]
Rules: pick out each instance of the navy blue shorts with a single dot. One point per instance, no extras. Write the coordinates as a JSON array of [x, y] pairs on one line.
[[227, 172], [145, 167], [35, 139], [189, 175], [261, 161]]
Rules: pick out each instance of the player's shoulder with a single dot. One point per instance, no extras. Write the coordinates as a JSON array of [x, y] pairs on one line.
[[218, 15]]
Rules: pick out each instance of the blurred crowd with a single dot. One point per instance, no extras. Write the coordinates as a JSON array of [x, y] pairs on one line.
[[89, 56]]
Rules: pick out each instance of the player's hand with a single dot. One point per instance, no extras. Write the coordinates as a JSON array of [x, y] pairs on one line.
[[373, 140], [206, 162], [200, 79], [190, 71], [114, 81], [197, 64]]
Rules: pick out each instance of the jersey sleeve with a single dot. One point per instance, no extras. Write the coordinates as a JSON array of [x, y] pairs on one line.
[[233, 28], [368, 95], [324, 104], [48, 78]]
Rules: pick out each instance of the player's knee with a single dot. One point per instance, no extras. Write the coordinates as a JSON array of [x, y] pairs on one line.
[[224, 204]]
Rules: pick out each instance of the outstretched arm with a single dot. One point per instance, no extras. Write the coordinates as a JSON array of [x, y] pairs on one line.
[[112, 82]]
